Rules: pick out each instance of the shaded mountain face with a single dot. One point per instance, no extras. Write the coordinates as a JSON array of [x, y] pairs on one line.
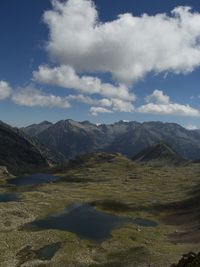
[[160, 153], [128, 138], [20, 153], [35, 129]]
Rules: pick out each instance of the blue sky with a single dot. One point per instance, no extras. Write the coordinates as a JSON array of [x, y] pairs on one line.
[[84, 62]]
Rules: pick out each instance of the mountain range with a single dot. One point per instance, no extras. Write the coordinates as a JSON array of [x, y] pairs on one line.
[[45, 144], [71, 138]]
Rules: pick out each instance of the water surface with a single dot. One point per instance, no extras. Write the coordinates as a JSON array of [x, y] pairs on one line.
[[145, 222], [47, 252], [34, 179], [85, 221], [9, 197]]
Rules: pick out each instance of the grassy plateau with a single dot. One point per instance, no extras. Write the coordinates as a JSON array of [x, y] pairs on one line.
[[168, 195]]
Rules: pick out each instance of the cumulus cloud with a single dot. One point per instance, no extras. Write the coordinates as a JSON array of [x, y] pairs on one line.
[[114, 104], [128, 47], [191, 127], [162, 105], [158, 97], [5, 90], [94, 111], [65, 76], [32, 97]]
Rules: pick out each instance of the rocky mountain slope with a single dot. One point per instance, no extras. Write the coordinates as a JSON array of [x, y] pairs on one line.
[[21, 153], [160, 153], [35, 129], [128, 138]]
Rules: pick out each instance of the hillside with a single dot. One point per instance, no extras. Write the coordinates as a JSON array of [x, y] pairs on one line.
[[160, 153], [128, 138], [35, 129], [21, 153]]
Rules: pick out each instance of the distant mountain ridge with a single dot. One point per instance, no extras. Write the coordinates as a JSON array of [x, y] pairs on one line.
[[128, 138]]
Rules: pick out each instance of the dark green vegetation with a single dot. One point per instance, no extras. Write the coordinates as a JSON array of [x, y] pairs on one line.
[[20, 153], [115, 185], [128, 138]]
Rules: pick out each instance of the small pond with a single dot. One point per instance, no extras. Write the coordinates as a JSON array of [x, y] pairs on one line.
[[85, 221], [47, 252], [145, 222], [34, 179], [9, 197]]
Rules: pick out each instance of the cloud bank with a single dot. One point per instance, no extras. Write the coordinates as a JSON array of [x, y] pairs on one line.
[[128, 47], [160, 104], [157, 103], [32, 97], [65, 76]]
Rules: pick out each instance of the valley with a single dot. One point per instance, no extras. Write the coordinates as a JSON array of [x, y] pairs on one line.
[[113, 185], [99, 133]]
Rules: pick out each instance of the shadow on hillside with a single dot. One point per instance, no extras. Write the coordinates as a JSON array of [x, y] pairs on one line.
[[186, 215]]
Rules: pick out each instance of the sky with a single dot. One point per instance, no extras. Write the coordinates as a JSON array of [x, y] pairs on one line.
[[100, 60]]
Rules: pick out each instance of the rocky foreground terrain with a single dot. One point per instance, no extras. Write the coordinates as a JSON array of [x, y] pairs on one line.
[[189, 260]]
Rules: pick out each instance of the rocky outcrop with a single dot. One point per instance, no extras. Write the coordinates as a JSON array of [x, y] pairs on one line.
[[4, 172], [189, 260]]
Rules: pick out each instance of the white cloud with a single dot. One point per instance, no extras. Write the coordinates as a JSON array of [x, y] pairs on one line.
[[5, 90], [113, 103], [32, 97], [158, 97], [94, 111], [82, 99], [128, 47], [191, 127], [65, 76], [122, 106], [161, 105]]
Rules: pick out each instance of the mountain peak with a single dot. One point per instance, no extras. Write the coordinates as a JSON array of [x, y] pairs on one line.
[[161, 152], [46, 123]]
